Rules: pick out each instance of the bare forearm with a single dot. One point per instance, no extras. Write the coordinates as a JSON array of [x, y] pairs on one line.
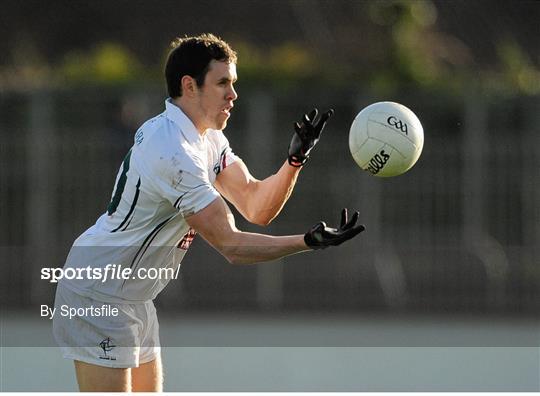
[[216, 224], [271, 194], [250, 248]]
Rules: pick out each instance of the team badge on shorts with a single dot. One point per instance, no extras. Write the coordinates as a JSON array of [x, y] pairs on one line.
[[107, 346]]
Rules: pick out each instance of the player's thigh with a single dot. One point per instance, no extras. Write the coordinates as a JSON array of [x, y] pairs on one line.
[[148, 377], [92, 378]]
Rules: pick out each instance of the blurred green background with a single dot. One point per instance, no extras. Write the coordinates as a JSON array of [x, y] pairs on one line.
[[375, 46]]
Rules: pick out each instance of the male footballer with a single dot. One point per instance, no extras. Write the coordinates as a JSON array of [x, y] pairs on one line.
[[173, 183]]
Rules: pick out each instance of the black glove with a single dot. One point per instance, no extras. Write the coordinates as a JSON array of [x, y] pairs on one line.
[[320, 236], [307, 134]]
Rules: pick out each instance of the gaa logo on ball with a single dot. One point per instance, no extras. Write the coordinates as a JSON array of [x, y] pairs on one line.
[[386, 139]]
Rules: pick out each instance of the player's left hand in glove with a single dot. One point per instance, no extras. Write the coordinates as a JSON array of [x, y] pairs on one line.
[[307, 134], [320, 236]]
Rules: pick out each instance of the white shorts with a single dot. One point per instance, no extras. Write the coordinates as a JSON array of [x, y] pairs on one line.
[[105, 334]]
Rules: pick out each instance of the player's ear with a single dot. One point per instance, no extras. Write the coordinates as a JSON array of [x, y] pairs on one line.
[[189, 86]]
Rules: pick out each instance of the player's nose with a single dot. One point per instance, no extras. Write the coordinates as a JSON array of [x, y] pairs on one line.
[[232, 94]]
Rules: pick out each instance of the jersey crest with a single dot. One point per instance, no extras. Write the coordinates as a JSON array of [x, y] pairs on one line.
[[186, 241], [222, 162]]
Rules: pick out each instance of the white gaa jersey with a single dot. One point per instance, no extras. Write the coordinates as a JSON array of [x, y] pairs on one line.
[[167, 175]]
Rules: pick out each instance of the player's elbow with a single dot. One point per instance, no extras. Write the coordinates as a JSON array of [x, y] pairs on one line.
[[261, 217], [258, 210], [234, 258], [261, 220]]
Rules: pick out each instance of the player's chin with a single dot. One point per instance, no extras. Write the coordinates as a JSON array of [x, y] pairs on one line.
[[221, 123]]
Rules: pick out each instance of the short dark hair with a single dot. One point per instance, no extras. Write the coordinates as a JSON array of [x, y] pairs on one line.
[[192, 56]]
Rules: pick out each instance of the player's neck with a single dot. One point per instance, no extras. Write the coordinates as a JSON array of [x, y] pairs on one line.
[[192, 112]]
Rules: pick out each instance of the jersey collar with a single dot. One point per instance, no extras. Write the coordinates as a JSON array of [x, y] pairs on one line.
[[175, 114]]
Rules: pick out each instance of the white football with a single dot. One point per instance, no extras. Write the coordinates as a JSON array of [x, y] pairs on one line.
[[386, 139]]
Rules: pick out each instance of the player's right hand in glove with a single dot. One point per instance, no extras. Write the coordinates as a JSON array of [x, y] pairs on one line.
[[306, 135], [320, 236]]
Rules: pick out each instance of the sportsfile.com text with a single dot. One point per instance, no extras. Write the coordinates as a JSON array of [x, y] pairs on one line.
[[110, 271]]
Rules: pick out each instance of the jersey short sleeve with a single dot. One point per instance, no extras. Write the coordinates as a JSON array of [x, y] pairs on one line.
[[187, 192], [182, 178], [226, 155]]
